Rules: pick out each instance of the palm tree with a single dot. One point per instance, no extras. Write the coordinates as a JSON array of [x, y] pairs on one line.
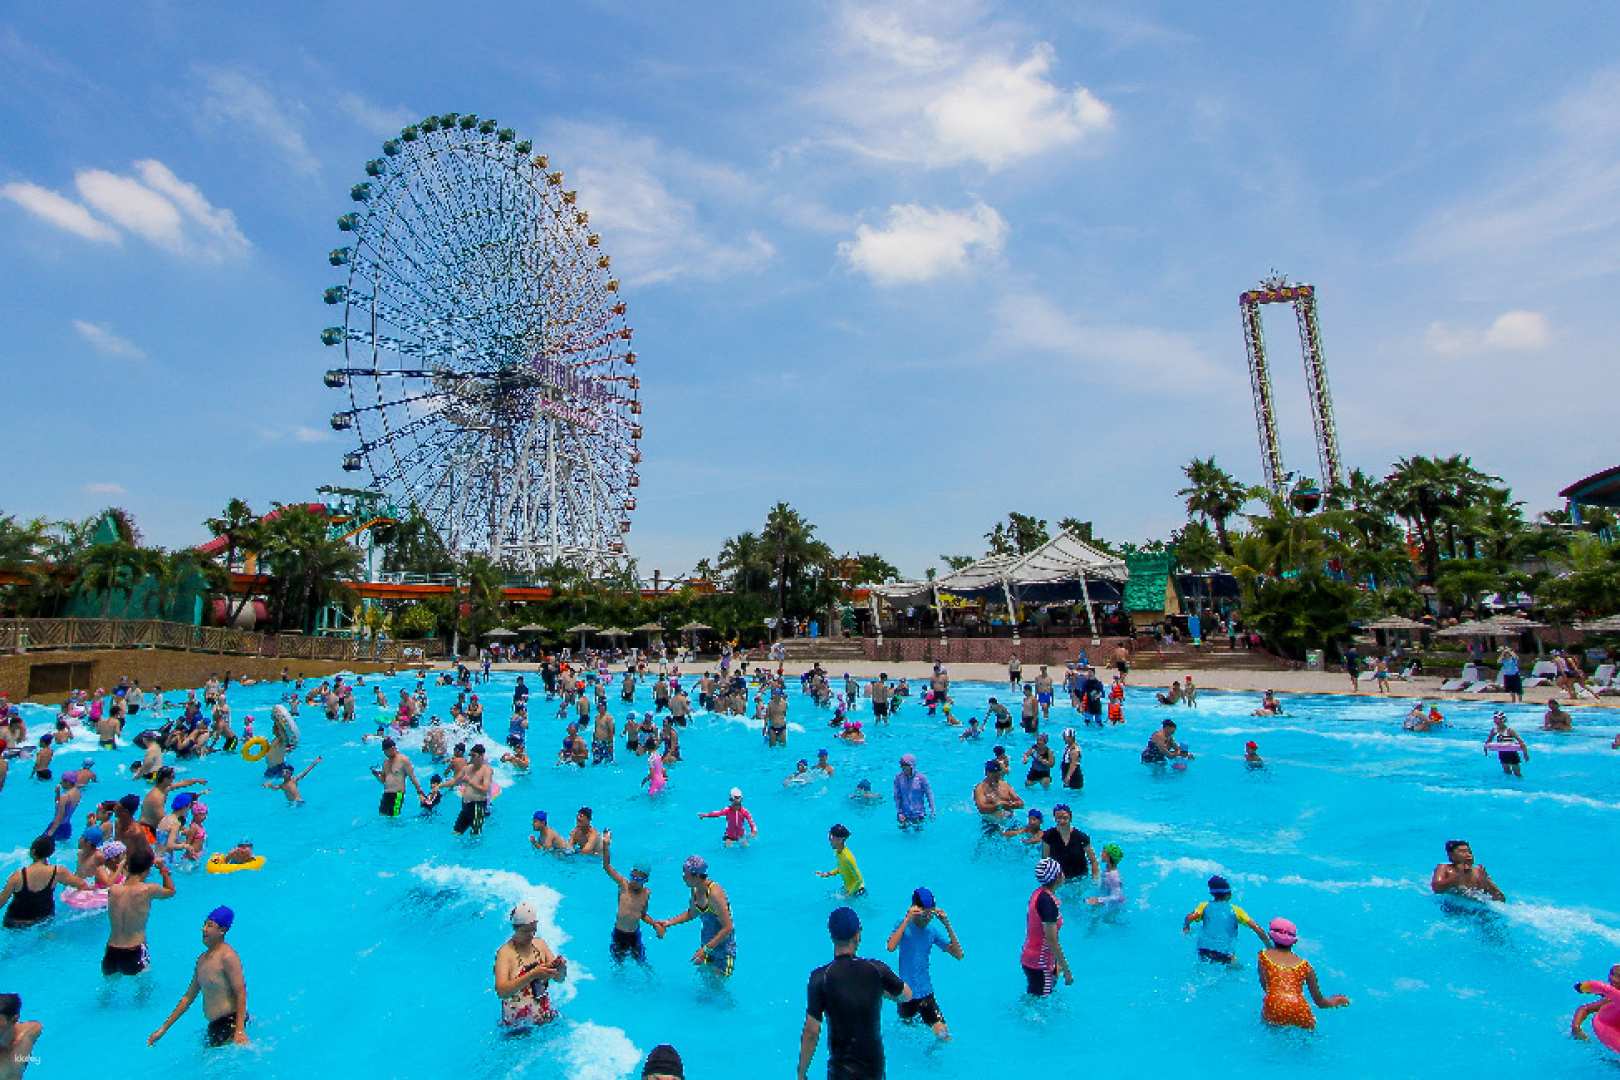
[[105, 568], [244, 535], [310, 568], [1425, 491], [744, 559], [795, 553], [1214, 495]]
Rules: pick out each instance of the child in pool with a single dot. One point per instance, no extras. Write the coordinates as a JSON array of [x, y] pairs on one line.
[[863, 793], [1113, 890], [974, 729], [435, 793], [1251, 755], [655, 773], [241, 854], [845, 867], [799, 775], [1031, 830], [286, 783]]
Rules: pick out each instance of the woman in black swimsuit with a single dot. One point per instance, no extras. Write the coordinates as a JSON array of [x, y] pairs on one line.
[[32, 890], [1069, 846]]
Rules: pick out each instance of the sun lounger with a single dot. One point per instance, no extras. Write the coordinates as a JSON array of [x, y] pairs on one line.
[[1543, 673], [1486, 684], [1470, 675]]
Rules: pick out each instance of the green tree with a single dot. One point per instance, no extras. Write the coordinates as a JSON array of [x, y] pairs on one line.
[[310, 569], [108, 568], [1427, 492], [874, 570], [798, 561], [1018, 535], [957, 562], [1214, 496], [244, 535], [412, 545], [1195, 547]]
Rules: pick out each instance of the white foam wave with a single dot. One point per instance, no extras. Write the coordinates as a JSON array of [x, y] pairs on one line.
[[498, 891], [1564, 924], [1523, 796], [1343, 886], [1104, 821], [598, 1052], [1201, 867]]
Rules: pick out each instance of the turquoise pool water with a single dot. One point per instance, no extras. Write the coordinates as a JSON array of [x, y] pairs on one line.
[[368, 944]]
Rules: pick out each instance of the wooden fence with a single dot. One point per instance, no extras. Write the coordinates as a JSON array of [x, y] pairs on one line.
[[17, 635]]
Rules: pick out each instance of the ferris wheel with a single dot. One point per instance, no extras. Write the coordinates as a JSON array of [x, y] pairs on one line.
[[487, 361]]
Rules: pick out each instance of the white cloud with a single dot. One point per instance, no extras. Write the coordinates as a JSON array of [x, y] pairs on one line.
[[920, 243], [378, 119], [300, 434], [155, 205], [106, 342], [60, 211], [221, 235], [1556, 210], [1511, 331], [133, 205], [1134, 356], [656, 207], [958, 95], [235, 98], [104, 487], [310, 435]]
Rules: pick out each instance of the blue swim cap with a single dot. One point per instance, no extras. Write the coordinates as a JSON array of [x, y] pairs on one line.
[[924, 899], [222, 917], [863, 785], [843, 924], [94, 835], [183, 800], [539, 815]]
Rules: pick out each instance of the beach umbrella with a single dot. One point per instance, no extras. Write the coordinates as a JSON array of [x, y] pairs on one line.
[[531, 628], [500, 632], [614, 632], [1472, 628], [582, 629], [1609, 624], [1396, 622], [692, 627]]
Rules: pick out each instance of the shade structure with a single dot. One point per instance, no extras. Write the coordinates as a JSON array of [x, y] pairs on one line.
[[1609, 624], [650, 628], [500, 632], [615, 632], [531, 628], [582, 628], [1477, 628], [1396, 622], [692, 627], [1515, 624]]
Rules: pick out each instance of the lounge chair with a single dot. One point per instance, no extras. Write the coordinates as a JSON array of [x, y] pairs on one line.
[[1487, 684], [1470, 675], [1405, 676], [1543, 673], [1604, 680]]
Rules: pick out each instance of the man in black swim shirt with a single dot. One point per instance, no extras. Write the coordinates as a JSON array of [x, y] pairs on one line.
[[848, 993]]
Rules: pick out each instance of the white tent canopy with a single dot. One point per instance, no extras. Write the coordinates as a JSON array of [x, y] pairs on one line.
[[1065, 557]]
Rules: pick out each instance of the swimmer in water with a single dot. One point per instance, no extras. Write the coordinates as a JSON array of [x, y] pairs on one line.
[[1285, 975], [799, 775], [1218, 921], [1113, 890], [1502, 735], [1162, 746], [1032, 829], [626, 942], [585, 839], [1606, 1024], [737, 819], [845, 867], [1251, 755], [863, 793], [1461, 875], [546, 838], [286, 783]]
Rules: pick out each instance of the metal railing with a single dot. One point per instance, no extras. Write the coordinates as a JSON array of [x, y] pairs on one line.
[[20, 635]]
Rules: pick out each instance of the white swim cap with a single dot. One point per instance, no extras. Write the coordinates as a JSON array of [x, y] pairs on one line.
[[524, 915], [736, 793]]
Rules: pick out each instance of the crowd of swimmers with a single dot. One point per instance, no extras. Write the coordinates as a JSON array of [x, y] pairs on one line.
[[122, 843]]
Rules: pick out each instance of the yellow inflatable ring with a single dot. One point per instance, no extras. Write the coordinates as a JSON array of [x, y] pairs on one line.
[[255, 748], [218, 865]]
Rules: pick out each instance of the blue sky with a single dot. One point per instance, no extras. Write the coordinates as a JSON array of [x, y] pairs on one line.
[[905, 266]]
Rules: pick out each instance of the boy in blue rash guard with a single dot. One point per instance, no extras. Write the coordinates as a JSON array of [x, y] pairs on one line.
[[1218, 920], [916, 937]]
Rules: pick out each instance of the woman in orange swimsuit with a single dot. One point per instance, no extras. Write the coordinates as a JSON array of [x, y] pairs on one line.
[[1285, 976]]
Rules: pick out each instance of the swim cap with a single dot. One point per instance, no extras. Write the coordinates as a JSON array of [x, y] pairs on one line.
[[664, 1061], [222, 917], [908, 759], [1068, 733], [839, 831], [70, 778], [1115, 853], [695, 865], [183, 800], [112, 849], [843, 924], [863, 785], [640, 870], [1062, 808], [389, 744], [821, 753], [539, 815], [1218, 886], [1036, 815], [199, 809], [132, 803], [1048, 871], [992, 766], [998, 750], [1251, 745], [923, 898], [523, 915], [93, 836], [1283, 932], [736, 793], [804, 764]]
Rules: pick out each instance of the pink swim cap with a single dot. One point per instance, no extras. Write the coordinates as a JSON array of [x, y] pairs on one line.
[[1283, 932]]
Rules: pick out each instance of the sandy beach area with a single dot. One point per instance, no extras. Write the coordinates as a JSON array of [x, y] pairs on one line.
[[1206, 679]]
